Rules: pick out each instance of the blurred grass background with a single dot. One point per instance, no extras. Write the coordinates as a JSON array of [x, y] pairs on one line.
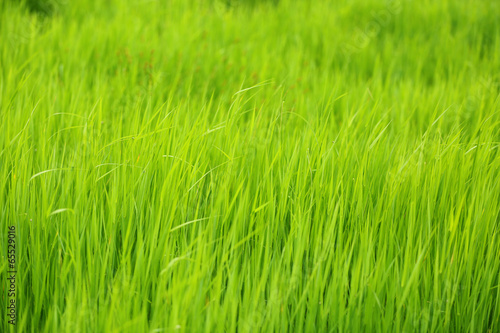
[[251, 165]]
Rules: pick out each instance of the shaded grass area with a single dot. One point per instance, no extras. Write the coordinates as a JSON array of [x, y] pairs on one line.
[[260, 166]]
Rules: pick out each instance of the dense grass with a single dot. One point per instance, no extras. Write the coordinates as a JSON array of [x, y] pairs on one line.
[[251, 165]]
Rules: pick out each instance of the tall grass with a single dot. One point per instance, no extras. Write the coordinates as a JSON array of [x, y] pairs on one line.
[[193, 166]]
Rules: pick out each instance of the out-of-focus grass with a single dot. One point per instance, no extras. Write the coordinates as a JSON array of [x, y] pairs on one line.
[[252, 166]]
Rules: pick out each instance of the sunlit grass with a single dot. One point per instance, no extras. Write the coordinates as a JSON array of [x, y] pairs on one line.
[[252, 165]]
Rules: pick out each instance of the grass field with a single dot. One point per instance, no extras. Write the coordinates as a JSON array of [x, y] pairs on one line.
[[250, 166]]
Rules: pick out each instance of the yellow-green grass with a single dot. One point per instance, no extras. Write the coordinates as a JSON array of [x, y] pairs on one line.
[[215, 166]]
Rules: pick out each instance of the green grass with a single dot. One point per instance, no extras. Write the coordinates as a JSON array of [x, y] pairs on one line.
[[215, 166]]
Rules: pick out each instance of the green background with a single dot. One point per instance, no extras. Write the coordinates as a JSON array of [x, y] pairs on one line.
[[251, 165]]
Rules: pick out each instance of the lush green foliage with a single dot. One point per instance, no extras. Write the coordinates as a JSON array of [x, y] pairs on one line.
[[251, 165]]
